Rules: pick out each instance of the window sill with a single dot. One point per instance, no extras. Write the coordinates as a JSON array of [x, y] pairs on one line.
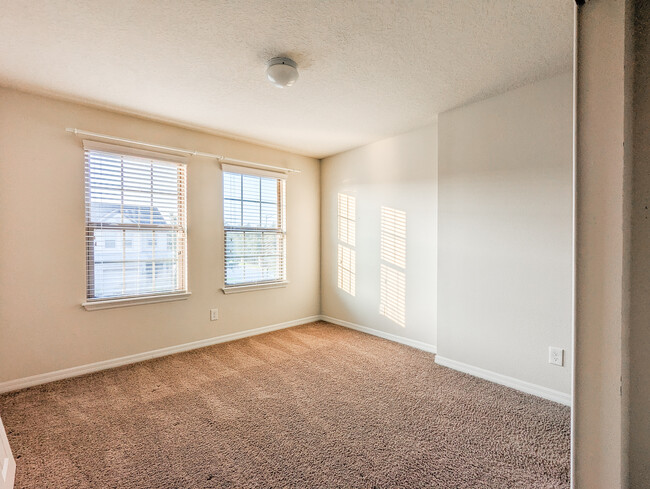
[[134, 301], [236, 289]]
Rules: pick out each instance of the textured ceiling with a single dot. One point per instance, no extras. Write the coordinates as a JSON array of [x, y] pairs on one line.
[[368, 69]]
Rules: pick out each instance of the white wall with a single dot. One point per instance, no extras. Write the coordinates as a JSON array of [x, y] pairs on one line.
[[505, 233], [400, 173], [42, 253]]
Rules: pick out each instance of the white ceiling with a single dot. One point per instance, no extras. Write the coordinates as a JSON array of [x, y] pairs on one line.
[[368, 69]]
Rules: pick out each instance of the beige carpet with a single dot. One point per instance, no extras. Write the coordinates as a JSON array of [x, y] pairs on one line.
[[312, 406]]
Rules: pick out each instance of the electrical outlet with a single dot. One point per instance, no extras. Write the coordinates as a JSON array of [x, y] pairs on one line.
[[214, 314], [556, 356]]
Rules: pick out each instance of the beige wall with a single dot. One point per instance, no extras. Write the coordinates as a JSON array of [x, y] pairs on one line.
[[42, 254], [505, 233], [401, 173]]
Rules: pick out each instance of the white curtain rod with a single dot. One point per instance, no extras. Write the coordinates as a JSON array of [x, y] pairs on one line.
[[220, 158]]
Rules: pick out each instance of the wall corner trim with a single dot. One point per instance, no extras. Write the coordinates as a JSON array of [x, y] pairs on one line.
[[17, 384], [420, 345], [520, 385]]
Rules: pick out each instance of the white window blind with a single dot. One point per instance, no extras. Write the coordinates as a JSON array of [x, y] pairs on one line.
[[254, 226], [136, 235]]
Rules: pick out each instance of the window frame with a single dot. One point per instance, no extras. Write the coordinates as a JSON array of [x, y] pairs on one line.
[[94, 303], [280, 230]]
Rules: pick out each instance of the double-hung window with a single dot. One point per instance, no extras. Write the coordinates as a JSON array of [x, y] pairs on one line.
[[254, 228], [136, 231]]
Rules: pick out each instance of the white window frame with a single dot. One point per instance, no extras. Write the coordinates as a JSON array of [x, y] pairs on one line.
[[93, 303], [281, 230]]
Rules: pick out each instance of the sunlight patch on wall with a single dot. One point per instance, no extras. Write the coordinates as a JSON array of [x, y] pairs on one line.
[[346, 219], [393, 272], [346, 210], [393, 236], [347, 264], [393, 295]]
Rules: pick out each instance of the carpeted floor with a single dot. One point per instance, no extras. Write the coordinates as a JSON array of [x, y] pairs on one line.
[[312, 406]]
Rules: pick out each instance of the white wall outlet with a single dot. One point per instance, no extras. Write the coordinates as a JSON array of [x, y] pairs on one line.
[[556, 356], [214, 314]]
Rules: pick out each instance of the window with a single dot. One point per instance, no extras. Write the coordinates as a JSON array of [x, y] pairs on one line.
[[254, 227], [135, 223]]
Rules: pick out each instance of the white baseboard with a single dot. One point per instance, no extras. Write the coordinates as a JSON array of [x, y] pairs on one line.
[[420, 345], [520, 385], [13, 385]]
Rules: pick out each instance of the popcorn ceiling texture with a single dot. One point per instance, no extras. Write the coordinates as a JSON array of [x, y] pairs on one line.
[[315, 406], [368, 69]]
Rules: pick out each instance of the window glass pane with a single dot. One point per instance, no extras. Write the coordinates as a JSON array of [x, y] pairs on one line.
[[165, 210], [105, 212], [251, 187], [253, 269], [165, 278], [145, 276], [271, 267], [269, 190], [269, 216], [272, 243], [146, 245], [131, 279], [232, 213], [137, 200], [134, 262], [105, 245], [251, 214], [234, 271], [234, 244], [134, 241], [253, 243], [232, 186], [165, 245], [108, 279]]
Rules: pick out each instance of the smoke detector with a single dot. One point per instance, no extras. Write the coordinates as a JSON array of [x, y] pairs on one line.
[[282, 72]]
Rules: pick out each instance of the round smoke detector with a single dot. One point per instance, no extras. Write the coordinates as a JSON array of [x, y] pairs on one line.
[[282, 72]]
